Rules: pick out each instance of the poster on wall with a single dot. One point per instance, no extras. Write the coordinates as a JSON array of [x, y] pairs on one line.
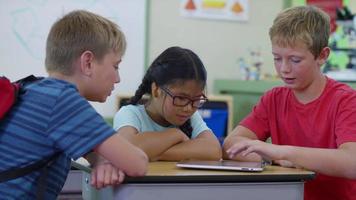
[[235, 10]]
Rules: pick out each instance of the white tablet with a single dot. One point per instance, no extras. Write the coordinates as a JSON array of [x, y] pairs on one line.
[[222, 165]]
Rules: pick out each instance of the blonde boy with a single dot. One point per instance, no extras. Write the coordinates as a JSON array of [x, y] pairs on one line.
[[83, 53], [312, 119]]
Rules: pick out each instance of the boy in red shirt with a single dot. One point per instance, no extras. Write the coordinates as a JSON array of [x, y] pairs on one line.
[[312, 119]]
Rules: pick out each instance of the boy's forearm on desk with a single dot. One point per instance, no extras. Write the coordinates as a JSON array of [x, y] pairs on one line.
[[136, 159], [334, 162]]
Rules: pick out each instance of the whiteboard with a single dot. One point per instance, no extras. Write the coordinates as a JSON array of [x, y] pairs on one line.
[[26, 23]]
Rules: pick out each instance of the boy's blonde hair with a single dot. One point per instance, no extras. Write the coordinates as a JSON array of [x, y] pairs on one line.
[[79, 31], [307, 24]]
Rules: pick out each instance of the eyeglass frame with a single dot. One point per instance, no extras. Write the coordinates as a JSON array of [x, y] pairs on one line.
[[189, 100]]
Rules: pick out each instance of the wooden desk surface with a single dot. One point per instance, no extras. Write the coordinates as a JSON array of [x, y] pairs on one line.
[[167, 172]]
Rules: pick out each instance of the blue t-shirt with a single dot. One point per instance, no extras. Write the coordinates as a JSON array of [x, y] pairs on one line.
[[137, 117], [50, 117]]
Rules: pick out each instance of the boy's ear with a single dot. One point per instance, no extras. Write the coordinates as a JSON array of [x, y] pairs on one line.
[[86, 63], [324, 54], [154, 90]]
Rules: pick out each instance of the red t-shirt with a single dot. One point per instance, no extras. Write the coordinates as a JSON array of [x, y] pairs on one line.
[[326, 122]]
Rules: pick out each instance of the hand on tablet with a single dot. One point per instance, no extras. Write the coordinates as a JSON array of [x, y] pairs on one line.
[[266, 150]]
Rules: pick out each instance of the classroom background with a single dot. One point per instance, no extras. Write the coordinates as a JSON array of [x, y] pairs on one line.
[[236, 51]]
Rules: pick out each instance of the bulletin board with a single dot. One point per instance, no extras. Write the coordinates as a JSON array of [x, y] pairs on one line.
[[25, 25]]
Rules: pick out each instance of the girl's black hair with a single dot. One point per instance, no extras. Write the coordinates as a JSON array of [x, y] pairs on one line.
[[173, 65]]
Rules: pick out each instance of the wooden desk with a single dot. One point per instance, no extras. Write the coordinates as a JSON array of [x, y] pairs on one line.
[[164, 181]]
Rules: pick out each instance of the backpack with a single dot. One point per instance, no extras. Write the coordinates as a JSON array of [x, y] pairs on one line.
[[9, 93]]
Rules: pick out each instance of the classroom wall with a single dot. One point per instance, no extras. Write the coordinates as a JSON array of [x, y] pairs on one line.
[[218, 43], [24, 29], [352, 5]]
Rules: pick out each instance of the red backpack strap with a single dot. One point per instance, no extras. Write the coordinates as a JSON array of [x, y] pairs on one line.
[[8, 95], [10, 91]]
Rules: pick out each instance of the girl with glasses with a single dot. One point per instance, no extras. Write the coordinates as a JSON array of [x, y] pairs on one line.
[[168, 126]]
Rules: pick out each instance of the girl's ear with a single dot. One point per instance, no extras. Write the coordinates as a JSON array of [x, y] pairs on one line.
[[324, 54], [86, 63], [155, 91]]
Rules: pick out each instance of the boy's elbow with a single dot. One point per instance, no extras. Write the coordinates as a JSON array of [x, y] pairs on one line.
[[140, 168], [350, 173], [139, 172]]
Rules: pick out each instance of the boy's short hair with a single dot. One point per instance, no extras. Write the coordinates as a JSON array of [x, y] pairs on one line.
[[79, 31], [307, 24]]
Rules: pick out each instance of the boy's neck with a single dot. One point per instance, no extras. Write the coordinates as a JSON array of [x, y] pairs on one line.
[[60, 76], [70, 79], [311, 92]]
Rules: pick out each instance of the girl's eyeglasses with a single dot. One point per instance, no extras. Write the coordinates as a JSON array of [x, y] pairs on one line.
[[182, 101]]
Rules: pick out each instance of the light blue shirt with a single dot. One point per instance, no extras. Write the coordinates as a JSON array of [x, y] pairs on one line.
[[137, 117]]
